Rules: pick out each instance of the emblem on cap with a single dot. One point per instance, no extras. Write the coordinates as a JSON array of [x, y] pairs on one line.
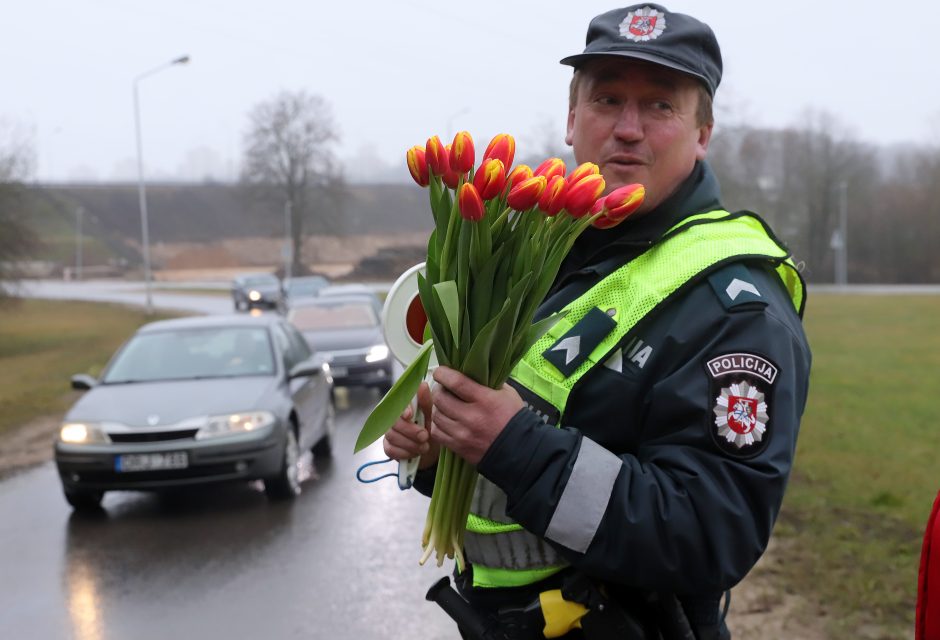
[[643, 24], [741, 415]]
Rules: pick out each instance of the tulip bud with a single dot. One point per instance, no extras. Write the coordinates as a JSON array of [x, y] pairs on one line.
[[490, 178], [583, 194], [582, 171], [551, 168], [502, 147], [436, 155], [518, 175], [470, 203], [451, 178], [526, 194], [418, 165], [619, 204], [461, 153], [553, 198]]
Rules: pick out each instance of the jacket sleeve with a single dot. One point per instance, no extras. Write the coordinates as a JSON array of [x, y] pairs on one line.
[[686, 512]]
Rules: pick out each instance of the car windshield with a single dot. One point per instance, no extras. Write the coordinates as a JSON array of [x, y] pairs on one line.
[[216, 352], [261, 281], [310, 287], [341, 315]]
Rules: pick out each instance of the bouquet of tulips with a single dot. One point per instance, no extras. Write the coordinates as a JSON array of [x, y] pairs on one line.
[[500, 235]]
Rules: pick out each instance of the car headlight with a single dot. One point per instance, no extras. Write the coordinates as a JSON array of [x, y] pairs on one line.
[[233, 423], [83, 433], [254, 296], [376, 353]]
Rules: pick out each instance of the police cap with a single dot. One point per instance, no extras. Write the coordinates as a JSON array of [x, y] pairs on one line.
[[652, 33]]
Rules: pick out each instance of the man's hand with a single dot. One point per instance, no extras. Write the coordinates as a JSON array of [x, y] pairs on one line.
[[406, 439], [469, 416]]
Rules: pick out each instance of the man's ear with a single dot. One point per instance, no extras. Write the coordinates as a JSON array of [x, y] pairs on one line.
[[569, 140], [704, 137]]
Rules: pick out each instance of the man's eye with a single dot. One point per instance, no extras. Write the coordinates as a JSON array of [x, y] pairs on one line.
[[606, 100], [662, 105]]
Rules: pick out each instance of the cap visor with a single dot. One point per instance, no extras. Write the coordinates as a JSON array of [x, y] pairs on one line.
[[581, 58]]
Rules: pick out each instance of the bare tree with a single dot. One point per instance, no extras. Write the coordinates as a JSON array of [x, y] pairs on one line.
[[289, 149], [16, 238]]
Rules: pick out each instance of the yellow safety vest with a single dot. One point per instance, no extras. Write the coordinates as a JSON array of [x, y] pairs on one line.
[[502, 553]]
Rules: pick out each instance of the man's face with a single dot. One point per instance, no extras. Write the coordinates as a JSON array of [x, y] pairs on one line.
[[637, 122]]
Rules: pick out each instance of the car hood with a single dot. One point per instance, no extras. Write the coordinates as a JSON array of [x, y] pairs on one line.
[[344, 339], [173, 401]]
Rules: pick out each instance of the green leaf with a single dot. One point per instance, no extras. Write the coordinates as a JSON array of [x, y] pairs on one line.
[[525, 340], [437, 322], [481, 292], [502, 342], [477, 363], [399, 396], [449, 300]]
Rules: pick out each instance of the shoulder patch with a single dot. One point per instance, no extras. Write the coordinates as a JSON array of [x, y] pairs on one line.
[[740, 395], [735, 287]]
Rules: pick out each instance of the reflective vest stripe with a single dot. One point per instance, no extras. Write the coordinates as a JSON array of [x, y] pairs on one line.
[[496, 577], [517, 549], [585, 496]]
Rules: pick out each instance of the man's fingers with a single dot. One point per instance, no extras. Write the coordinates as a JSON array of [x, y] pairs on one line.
[[457, 383]]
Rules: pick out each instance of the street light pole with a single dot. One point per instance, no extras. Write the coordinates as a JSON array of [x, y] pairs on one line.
[[79, 211], [289, 241], [141, 190]]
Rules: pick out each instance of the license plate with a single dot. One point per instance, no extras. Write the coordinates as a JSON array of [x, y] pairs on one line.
[[151, 461], [339, 371]]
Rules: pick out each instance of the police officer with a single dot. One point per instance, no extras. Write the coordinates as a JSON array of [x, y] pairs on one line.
[[645, 447]]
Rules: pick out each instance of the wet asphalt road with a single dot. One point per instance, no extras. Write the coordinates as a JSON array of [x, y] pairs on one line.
[[341, 562]]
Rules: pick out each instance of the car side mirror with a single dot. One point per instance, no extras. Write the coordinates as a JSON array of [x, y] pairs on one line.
[[83, 382], [307, 368]]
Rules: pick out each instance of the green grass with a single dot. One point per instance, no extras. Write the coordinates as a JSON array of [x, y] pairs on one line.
[[866, 471], [43, 343]]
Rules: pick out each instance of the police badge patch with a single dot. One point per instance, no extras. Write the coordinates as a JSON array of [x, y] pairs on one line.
[[741, 384]]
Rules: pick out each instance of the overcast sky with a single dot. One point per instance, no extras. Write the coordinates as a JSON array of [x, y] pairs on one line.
[[397, 71]]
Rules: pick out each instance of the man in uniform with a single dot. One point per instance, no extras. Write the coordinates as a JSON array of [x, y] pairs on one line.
[[644, 445]]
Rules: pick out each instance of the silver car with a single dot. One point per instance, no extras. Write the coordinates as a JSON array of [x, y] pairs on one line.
[[198, 400]]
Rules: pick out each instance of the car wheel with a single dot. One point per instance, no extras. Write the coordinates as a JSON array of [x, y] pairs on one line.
[[84, 500], [324, 446], [286, 484]]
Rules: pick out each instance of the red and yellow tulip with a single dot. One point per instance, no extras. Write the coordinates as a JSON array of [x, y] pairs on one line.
[[418, 165], [583, 194], [553, 198], [551, 168], [451, 177], [519, 174], [436, 154], [582, 171], [502, 147], [461, 155], [618, 205], [470, 203], [526, 194], [490, 178]]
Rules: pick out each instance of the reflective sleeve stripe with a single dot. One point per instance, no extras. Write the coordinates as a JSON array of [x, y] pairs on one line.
[[584, 500]]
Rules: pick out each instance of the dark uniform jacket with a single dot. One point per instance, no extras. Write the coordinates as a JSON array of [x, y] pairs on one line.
[[691, 511]]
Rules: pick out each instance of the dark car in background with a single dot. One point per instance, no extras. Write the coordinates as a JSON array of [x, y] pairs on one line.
[[304, 287], [257, 291], [356, 290], [198, 400], [347, 331]]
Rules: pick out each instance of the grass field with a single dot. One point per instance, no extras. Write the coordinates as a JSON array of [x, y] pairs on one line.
[[868, 457], [867, 462], [43, 343]]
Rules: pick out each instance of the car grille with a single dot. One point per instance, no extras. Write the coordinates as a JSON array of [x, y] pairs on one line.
[[152, 436]]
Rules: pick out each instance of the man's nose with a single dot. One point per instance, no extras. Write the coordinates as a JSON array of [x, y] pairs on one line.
[[629, 125]]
